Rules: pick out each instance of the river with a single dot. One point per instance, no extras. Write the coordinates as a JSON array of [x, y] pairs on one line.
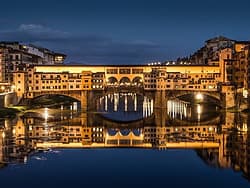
[[126, 141]]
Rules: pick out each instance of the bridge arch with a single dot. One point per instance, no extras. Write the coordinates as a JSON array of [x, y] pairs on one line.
[[137, 81], [125, 81], [180, 122], [73, 97], [212, 96], [112, 80], [120, 124], [124, 132], [112, 131]]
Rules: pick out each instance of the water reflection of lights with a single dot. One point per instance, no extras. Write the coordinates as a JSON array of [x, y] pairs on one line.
[[148, 106], [126, 102], [3, 135], [244, 127], [135, 102], [116, 101], [46, 114], [199, 111], [116, 98], [245, 93], [25, 159], [106, 103], [177, 108]]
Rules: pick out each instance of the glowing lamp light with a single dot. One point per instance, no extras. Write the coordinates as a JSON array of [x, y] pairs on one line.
[[244, 128], [245, 93], [13, 87], [199, 96]]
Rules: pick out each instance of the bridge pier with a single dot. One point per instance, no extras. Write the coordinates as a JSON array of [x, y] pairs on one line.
[[160, 107], [228, 96], [84, 100], [2, 97], [160, 99], [248, 100], [161, 117], [93, 96]]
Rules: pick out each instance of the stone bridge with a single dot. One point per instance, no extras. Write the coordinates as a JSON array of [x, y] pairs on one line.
[[77, 81], [179, 93], [81, 96]]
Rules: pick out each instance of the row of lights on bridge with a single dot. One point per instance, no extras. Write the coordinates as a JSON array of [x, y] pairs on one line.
[[169, 63]]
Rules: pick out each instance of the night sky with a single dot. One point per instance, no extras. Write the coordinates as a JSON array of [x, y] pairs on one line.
[[123, 31]]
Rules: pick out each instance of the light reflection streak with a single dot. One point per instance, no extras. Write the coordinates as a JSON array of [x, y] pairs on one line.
[[130, 103], [126, 103], [135, 103], [147, 107], [106, 103], [177, 108]]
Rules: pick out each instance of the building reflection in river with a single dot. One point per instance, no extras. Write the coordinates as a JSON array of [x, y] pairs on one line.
[[221, 142]]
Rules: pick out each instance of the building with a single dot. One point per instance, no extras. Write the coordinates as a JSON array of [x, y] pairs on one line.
[[18, 57], [221, 66]]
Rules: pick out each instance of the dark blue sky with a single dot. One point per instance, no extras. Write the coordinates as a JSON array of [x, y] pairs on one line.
[[123, 31]]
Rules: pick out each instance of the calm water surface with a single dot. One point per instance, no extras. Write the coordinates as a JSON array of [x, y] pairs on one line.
[[126, 142], [118, 168]]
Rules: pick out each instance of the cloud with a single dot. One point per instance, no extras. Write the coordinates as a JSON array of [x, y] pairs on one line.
[[33, 28], [33, 33], [105, 50], [86, 48]]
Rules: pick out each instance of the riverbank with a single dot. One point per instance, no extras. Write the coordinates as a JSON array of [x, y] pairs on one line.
[[11, 111], [43, 102]]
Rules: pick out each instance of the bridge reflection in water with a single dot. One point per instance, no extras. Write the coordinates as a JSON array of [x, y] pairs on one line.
[[177, 108], [125, 106], [219, 139]]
